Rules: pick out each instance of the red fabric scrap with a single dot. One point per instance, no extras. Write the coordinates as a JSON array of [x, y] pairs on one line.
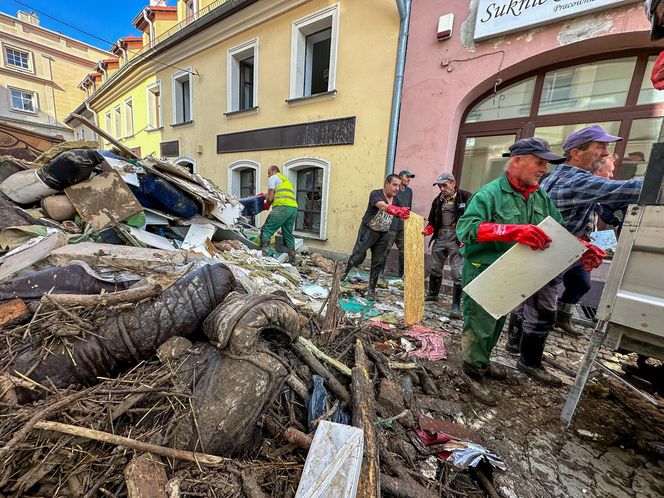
[[433, 348]]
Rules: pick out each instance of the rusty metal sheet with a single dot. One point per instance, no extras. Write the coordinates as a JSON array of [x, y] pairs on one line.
[[106, 191]]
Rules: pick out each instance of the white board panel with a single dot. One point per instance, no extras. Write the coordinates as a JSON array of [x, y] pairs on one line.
[[521, 272]]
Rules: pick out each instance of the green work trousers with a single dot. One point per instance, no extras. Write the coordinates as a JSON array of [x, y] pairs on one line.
[[481, 331], [280, 217]]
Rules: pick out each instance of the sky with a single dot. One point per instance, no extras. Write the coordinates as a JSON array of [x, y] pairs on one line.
[[106, 19]]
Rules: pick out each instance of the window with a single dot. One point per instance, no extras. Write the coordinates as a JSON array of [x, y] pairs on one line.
[[186, 162], [182, 98], [23, 100], [82, 133], [643, 133], [511, 102], [117, 119], [129, 117], [242, 80], [310, 179], [313, 57], [190, 9], [648, 93], [17, 58], [483, 160], [108, 124], [598, 85], [154, 106], [242, 177]]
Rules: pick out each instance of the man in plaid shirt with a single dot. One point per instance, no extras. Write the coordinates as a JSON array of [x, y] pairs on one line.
[[576, 192]]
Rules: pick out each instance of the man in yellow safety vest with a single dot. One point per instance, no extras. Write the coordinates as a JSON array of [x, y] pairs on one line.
[[281, 197]]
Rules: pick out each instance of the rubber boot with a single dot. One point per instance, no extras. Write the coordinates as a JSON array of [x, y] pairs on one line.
[[476, 384], [530, 361], [291, 256], [564, 320], [371, 290], [349, 267], [434, 287], [265, 247], [514, 331], [455, 314]]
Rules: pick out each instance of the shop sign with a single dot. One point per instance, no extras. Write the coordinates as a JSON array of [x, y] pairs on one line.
[[498, 17]]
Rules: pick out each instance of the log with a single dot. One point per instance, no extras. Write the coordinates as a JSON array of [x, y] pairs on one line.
[[132, 295], [298, 438], [332, 313], [322, 356], [102, 133], [145, 477], [105, 437], [332, 383], [13, 311], [298, 386], [401, 488], [364, 417]]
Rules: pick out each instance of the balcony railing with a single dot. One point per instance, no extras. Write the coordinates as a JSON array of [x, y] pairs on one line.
[[185, 22]]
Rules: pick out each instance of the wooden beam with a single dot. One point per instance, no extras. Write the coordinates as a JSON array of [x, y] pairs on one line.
[[102, 133], [413, 302]]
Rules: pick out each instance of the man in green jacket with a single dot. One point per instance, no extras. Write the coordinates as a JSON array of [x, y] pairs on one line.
[[501, 213]]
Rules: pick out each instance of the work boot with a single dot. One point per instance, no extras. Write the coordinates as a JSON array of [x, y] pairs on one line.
[[434, 287], [291, 256], [455, 313], [514, 331], [265, 247], [496, 371], [370, 295], [475, 382], [530, 361], [344, 275], [564, 320]]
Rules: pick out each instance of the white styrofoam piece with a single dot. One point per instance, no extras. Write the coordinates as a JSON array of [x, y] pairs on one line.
[[521, 272], [197, 235], [151, 239], [227, 213], [332, 468]]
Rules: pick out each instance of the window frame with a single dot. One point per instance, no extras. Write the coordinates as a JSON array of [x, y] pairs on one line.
[[129, 117], [525, 126], [34, 99], [149, 95], [177, 78], [235, 56], [108, 121], [30, 58], [301, 29], [290, 170], [117, 111]]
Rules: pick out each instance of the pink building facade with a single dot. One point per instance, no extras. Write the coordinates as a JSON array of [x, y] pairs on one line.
[[516, 69]]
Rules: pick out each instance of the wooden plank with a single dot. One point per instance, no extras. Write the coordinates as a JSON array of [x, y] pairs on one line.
[[13, 310], [145, 476], [521, 272], [105, 135], [413, 302], [105, 191]]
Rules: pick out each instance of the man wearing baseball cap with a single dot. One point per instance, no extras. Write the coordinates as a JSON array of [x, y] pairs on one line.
[[576, 192], [396, 232], [501, 213], [445, 211]]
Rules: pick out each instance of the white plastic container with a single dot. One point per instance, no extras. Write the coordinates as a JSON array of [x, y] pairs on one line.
[[25, 187]]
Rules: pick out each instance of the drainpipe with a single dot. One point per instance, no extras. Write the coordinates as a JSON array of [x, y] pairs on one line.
[[103, 71], [404, 7], [94, 117], [123, 50], [150, 28]]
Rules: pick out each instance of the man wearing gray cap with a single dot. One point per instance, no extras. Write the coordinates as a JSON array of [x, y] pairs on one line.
[[576, 192], [501, 213], [445, 211]]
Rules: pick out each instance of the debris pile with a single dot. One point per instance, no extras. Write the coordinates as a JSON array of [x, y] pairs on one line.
[[149, 349]]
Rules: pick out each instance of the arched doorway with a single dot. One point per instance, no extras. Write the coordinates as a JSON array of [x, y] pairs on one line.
[[613, 90]]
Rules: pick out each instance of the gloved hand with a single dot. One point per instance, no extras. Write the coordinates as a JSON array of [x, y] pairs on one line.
[[266, 205], [593, 257], [428, 230], [399, 212], [528, 235]]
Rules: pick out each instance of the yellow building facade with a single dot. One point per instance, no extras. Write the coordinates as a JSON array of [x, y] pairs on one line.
[[305, 85], [39, 72]]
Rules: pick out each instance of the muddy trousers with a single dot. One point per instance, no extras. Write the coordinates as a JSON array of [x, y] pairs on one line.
[[368, 239], [280, 217], [481, 331], [538, 313], [442, 250], [395, 237]]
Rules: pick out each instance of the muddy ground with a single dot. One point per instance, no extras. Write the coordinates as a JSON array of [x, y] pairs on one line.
[[611, 449]]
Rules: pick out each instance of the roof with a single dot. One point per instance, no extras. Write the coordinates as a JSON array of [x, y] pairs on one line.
[[139, 19]]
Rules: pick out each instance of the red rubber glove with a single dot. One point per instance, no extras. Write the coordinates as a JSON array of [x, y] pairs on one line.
[[399, 212], [266, 205], [528, 235], [593, 257], [428, 230]]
